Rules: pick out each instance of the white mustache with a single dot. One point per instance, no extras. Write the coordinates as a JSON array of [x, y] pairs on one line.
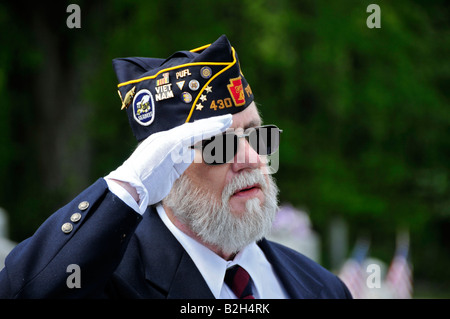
[[244, 180], [201, 210]]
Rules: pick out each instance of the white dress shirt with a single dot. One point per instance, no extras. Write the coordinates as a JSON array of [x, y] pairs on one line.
[[213, 267]]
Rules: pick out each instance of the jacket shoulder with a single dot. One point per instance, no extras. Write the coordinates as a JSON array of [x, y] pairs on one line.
[[306, 271], [92, 231]]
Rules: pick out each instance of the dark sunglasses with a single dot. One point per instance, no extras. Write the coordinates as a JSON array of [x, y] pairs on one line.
[[222, 148]]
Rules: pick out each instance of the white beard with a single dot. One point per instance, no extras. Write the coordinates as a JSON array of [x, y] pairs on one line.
[[213, 222]]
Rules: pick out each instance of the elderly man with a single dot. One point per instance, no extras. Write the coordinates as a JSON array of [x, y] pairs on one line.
[[186, 214]]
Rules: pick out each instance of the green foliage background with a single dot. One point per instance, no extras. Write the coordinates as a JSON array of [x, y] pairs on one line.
[[365, 112]]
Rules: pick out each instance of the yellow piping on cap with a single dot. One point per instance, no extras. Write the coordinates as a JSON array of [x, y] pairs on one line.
[[200, 48], [175, 67], [230, 64], [170, 69]]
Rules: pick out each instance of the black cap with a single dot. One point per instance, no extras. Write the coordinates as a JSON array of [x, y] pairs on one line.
[[161, 94]]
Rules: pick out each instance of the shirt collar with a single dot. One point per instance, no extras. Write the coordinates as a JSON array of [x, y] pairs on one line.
[[252, 259], [213, 267]]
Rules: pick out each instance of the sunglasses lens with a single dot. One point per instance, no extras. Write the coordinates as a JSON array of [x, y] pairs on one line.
[[265, 140], [222, 148], [219, 149]]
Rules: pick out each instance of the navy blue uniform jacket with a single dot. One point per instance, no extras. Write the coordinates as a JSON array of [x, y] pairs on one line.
[[122, 254]]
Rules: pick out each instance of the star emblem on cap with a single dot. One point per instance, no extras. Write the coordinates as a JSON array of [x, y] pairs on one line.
[[208, 89], [199, 107], [203, 98]]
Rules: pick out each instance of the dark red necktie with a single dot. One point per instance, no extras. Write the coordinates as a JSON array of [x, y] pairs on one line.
[[239, 281]]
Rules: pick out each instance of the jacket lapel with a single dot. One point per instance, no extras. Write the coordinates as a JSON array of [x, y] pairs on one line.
[[297, 283], [168, 268]]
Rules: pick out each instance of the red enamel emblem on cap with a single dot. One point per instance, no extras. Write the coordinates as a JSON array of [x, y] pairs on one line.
[[236, 91]]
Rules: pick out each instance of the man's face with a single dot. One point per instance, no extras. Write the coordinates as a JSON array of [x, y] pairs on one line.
[[214, 178], [229, 205]]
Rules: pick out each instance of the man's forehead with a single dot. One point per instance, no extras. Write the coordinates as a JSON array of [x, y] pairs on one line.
[[247, 118]]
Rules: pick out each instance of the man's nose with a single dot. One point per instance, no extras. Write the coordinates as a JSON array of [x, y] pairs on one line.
[[246, 157]]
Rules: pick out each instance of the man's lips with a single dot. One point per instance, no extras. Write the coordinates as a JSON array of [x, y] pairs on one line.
[[248, 190]]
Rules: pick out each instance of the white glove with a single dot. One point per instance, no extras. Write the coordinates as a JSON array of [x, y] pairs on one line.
[[162, 157]]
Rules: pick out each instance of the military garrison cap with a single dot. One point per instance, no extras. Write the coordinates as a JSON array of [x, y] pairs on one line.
[[159, 94]]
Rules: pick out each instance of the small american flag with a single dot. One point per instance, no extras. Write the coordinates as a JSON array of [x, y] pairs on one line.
[[352, 272], [399, 276]]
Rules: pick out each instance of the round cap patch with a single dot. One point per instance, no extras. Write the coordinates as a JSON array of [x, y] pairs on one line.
[[206, 72], [144, 107], [186, 97]]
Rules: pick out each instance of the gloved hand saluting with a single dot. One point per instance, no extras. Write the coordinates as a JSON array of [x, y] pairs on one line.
[[149, 173]]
